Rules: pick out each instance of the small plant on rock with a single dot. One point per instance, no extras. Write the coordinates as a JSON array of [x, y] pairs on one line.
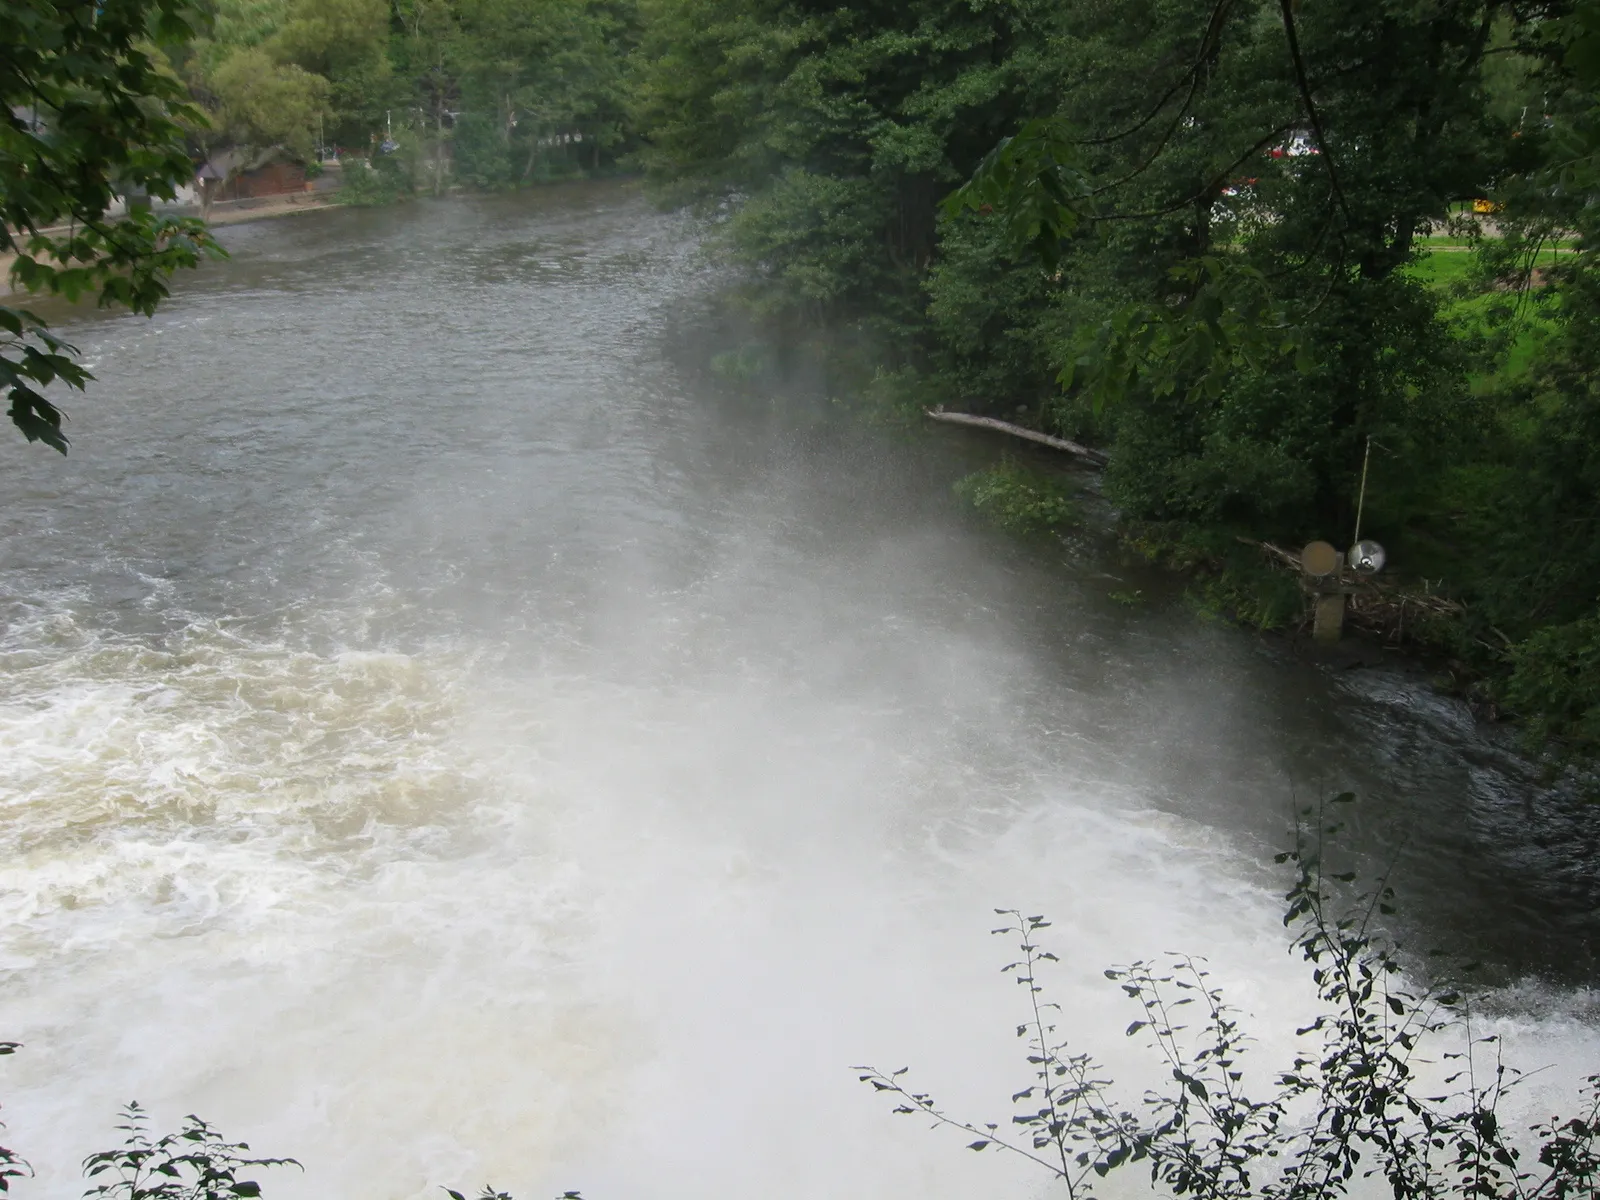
[[1019, 500]]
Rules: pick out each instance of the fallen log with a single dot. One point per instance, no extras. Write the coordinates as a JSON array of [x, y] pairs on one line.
[[1088, 454]]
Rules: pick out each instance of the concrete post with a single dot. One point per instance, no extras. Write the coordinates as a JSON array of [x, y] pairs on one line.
[[1323, 568], [1327, 620]]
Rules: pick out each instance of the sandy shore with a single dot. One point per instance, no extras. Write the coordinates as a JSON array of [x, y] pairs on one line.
[[239, 211]]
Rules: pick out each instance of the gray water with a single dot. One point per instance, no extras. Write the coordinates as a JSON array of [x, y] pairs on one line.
[[448, 738]]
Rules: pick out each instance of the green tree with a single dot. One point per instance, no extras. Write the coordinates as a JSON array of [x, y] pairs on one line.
[[534, 89], [1237, 213], [332, 37], [247, 22], [345, 42], [263, 102], [91, 114], [1533, 577], [836, 131], [277, 72]]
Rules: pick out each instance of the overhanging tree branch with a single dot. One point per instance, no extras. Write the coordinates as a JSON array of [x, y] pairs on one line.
[[1286, 7]]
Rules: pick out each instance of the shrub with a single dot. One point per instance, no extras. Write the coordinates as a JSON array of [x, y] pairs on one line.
[[367, 186], [1018, 500], [192, 1164], [1555, 682]]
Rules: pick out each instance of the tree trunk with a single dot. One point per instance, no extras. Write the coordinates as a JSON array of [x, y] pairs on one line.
[[438, 149], [1087, 453]]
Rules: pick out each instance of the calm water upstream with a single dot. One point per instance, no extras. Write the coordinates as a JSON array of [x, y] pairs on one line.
[[444, 738]]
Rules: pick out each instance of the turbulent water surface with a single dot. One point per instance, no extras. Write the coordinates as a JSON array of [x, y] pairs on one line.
[[445, 739]]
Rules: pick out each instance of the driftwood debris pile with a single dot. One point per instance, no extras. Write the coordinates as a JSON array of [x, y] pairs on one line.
[[1379, 605]]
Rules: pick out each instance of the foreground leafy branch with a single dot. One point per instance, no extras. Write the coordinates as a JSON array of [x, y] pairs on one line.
[[88, 114], [12, 1164], [1350, 1106], [196, 1163], [192, 1164]]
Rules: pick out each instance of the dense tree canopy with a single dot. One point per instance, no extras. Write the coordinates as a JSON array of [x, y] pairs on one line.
[[487, 93], [1210, 234]]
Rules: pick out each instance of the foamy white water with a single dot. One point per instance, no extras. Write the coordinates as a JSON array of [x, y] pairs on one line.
[[443, 740]]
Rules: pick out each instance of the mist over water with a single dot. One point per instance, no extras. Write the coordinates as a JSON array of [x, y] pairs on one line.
[[446, 739]]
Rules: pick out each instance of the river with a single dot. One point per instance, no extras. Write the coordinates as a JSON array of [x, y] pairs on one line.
[[447, 737]]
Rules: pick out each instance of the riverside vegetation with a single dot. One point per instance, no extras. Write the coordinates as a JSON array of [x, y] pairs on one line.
[[485, 93], [1208, 238]]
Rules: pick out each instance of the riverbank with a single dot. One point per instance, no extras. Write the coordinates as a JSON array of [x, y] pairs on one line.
[[1398, 619], [237, 212], [224, 212], [1460, 596]]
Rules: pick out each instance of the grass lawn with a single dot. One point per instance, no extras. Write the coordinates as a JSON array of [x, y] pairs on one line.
[[1443, 268], [1476, 308]]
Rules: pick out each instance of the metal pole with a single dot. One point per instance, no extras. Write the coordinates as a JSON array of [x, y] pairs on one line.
[[1361, 500]]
